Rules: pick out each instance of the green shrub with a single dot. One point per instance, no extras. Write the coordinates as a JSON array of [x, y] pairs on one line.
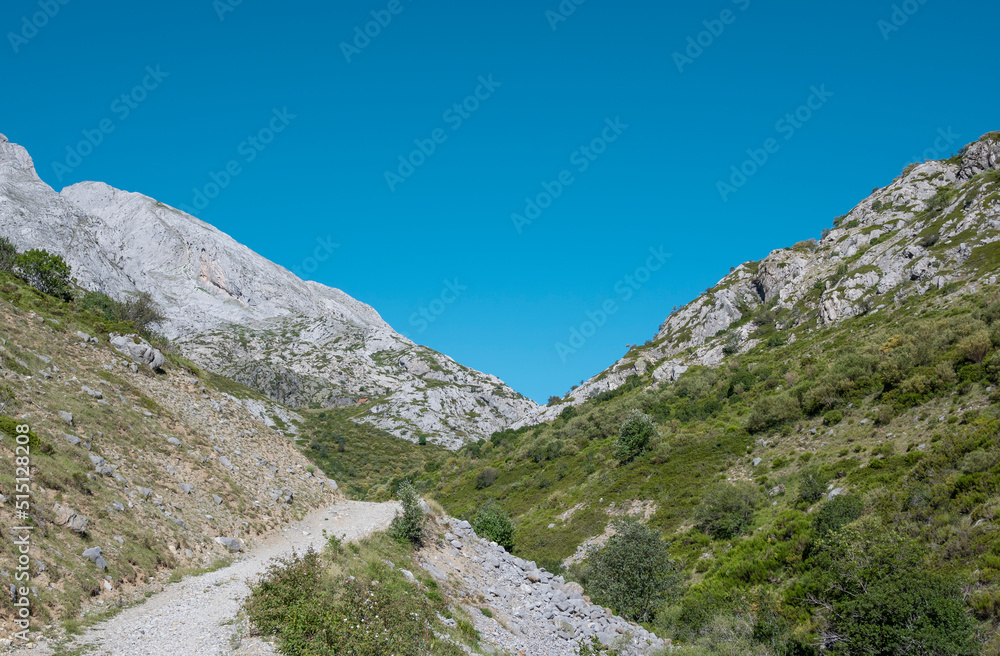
[[727, 509], [139, 310], [772, 411], [633, 572], [408, 527], [833, 417], [312, 611], [45, 272], [8, 255], [634, 435], [100, 304], [886, 602], [494, 523], [812, 487], [486, 477], [837, 513]]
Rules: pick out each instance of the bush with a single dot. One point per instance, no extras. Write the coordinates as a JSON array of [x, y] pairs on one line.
[[8, 255], [727, 509], [408, 527], [634, 435], [45, 272], [313, 611], [886, 602], [772, 411], [141, 311], [100, 304], [553, 400], [486, 477], [812, 488], [837, 513], [633, 572], [494, 523], [833, 417], [976, 347]]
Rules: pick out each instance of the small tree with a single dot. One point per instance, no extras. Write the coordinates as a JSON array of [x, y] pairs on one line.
[[486, 477], [493, 522], [633, 572], [727, 509], [408, 527], [45, 272], [8, 254], [634, 435], [886, 602], [141, 310]]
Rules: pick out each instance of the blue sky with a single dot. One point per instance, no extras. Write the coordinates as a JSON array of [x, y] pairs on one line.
[[609, 108]]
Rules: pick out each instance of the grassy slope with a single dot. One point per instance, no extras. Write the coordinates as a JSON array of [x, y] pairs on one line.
[[914, 408]]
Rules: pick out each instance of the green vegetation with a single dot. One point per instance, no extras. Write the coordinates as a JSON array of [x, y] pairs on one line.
[[349, 600], [367, 463], [632, 573], [634, 435], [45, 272], [493, 522], [895, 411], [409, 526]]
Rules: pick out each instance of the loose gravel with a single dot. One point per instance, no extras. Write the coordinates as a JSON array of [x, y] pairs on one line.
[[199, 614]]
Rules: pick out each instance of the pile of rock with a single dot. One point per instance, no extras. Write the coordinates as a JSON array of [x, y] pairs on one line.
[[542, 614]]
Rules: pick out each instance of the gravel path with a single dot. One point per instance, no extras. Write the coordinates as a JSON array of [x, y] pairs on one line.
[[198, 615]]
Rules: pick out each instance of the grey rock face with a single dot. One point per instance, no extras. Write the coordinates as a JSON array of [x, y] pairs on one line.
[[877, 254], [242, 315]]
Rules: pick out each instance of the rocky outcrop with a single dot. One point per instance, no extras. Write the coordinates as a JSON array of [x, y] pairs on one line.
[[936, 225], [299, 342], [138, 349]]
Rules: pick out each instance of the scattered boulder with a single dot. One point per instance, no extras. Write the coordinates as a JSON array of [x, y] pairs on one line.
[[174, 441], [66, 516], [72, 439], [233, 544], [138, 349], [186, 489], [96, 554], [84, 337], [97, 394], [66, 416]]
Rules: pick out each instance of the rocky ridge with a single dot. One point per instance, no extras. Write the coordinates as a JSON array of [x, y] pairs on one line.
[[298, 342], [936, 227]]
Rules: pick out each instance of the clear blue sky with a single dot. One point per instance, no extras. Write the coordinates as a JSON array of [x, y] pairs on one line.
[[655, 185]]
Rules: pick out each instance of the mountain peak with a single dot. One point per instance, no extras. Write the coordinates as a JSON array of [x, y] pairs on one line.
[[234, 311]]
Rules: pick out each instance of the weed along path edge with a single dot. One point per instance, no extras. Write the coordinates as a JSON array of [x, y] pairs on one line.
[[198, 614]]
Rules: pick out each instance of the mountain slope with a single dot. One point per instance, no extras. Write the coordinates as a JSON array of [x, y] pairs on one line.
[[300, 343], [936, 225]]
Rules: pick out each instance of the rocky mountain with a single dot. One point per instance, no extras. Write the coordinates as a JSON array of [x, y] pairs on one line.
[[300, 343], [935, 226]]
